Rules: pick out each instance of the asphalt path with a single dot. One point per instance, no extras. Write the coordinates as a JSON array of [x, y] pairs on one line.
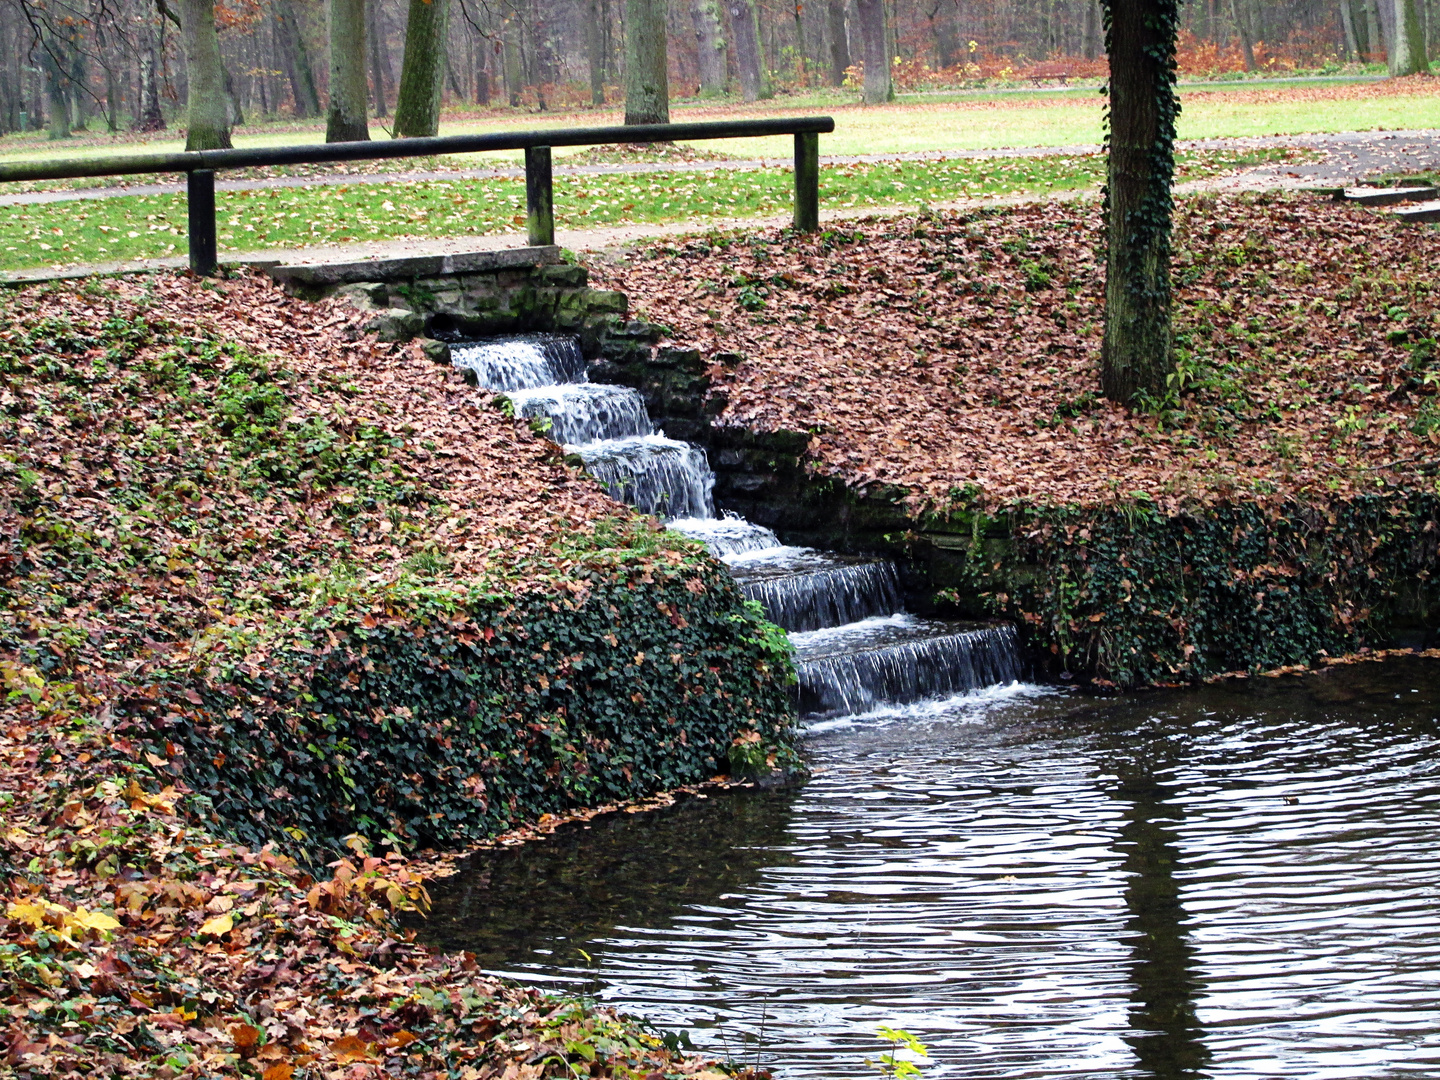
[[1346, 158]]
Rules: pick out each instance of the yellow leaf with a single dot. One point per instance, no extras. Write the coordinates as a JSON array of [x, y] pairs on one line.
[[31, 914], [93, 920], [219, 926]]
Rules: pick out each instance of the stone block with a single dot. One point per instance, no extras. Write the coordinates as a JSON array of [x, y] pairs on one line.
[[396, 324]]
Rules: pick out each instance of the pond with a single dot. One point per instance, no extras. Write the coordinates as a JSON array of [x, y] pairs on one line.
[[1234, 881]]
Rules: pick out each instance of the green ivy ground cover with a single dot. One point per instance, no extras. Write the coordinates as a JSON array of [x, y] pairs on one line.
[[324, 583]]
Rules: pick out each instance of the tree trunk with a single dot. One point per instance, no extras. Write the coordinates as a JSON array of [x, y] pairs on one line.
[[207, 108], [510, 60], [710, 47], [595, 52], [1407, 56], [379, 60], [801, 66], [295, 58], [347, 118], [1242, 29], [839, 41], [417, 109], [647, 80], [1347, 24], [749, 58], [1374, 35], [1091, 45], [878, 87], [1140, 41], [55, 86], [150, 116]]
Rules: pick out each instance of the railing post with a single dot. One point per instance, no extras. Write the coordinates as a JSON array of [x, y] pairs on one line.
[[200, 199], [807, 181], [539, 196]]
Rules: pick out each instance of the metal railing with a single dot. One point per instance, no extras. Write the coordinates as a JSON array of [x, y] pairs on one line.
[[200, 166]]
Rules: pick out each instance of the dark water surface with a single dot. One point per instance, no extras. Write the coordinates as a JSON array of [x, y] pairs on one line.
[[1238, 881]]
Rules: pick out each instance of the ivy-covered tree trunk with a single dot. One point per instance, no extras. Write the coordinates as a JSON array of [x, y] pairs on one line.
[[1140, 41], [878, 87], [1407, 55], [346, 120], [422, 72], [647, 78], [710, 47], [207, 125], [749, 57]]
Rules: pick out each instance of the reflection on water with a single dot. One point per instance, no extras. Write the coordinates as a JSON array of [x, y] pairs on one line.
[[1237, 881]]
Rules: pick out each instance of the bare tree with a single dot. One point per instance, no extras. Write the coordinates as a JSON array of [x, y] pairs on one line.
[[345, 121], [207, 112], [422, 72], [749, 56], [878, 85], [647, 78]]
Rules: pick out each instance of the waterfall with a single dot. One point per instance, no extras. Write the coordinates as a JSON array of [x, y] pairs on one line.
[[608, 426], [585, 412], [892, 661], [804, 590], [856, 649], [523, 362], [660, 476], [728, 537]]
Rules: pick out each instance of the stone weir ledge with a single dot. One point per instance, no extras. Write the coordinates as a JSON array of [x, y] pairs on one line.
[[1099, 595]]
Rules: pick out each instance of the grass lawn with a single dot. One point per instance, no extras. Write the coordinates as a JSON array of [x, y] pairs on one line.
[[916, 123], [151, 226]]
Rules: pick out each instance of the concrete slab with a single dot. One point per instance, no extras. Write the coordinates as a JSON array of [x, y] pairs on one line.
[[412, 266], [1368, 196], [1425, 211]]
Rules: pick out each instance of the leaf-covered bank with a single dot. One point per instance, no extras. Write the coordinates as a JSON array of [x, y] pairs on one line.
[[265, 580], [1273, 504]]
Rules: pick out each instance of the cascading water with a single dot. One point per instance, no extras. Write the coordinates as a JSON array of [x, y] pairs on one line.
[[608, 426], [856, 648]]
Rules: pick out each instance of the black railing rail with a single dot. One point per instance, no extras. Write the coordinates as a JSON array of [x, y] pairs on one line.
[[200, 166]]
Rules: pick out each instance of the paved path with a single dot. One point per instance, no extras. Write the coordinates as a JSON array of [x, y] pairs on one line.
[[1347, 158]]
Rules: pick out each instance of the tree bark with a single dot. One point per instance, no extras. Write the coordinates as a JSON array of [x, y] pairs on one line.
[[56, 98], [710, 47], [295, 58], [1407, 56], [595, 52], [1140, 41], [749, 57], [207, 107], [1347, 25], [379, 60], [1242, 29], [1374, 34], [647, 80], [417, 109], [346, 120], [878, 87], [802, 71], [150, 117], [839, 41]]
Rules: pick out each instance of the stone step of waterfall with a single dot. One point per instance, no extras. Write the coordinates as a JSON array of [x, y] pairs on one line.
[[855, 669], [802, 589], [1420, 212], [1388, 196], [521, 362], [728, 536], [585, 412], [656, 475]]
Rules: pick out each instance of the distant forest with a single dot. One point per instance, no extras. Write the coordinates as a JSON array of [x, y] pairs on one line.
[[117, 64]]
